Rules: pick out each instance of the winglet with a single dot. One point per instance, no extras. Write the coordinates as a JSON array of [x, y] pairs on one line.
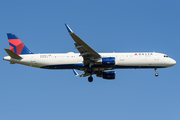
[[75, 72], [68, 28]]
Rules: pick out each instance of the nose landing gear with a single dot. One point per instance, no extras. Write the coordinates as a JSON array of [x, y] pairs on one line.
[[156, 74]]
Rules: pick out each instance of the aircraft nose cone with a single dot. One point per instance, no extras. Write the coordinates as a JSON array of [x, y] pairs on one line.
[[173, 62]]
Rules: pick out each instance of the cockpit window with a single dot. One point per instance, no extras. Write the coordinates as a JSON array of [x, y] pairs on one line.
[[165, 56]]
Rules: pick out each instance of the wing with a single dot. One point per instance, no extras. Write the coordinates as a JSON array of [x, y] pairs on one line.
[[85, 51]]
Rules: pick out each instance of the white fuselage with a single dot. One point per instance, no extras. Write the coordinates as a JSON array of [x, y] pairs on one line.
[[75, 61]]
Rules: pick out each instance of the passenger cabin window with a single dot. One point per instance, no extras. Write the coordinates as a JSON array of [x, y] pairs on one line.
[[165, 56]]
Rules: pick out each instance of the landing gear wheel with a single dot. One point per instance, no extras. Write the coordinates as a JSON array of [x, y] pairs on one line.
[[90, 79], [89, 70], [156, 74]]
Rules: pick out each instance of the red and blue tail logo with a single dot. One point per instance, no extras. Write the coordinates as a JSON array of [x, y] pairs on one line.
[[16, 45]]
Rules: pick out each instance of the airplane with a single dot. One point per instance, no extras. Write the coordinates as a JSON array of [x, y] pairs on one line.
[[87, 60]]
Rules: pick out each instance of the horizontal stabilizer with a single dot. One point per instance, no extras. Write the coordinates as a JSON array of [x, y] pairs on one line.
[[12, 54]]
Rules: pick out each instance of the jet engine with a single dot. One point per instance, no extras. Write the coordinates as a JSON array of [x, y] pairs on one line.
[[109, 61], [107, 75]]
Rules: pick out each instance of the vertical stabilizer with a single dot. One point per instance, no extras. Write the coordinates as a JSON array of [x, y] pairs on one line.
[[16, 45]]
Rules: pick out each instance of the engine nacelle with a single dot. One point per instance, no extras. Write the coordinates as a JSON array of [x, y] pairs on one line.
[[110, 61], [107, 75]]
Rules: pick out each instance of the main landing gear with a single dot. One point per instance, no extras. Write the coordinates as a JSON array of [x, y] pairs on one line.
[[90, 78], [90, 70], [156, 74]]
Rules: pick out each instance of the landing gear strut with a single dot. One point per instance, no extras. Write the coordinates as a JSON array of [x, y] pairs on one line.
[[156, 74], [90, 78], [89, 69]]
